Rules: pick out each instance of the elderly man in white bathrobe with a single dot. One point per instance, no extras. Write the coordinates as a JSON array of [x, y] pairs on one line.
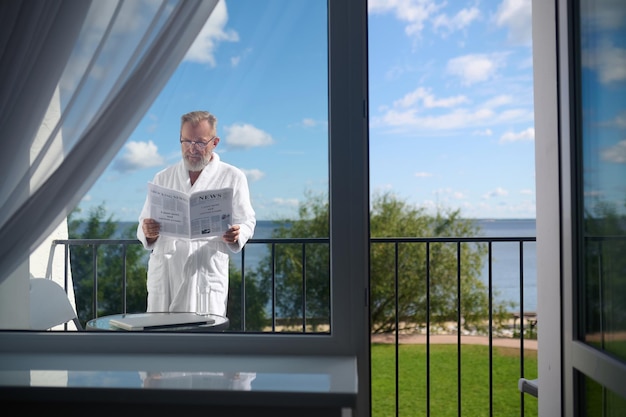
[[177, 266]]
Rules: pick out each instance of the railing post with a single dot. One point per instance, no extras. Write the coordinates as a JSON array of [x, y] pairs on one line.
[[94, 261]]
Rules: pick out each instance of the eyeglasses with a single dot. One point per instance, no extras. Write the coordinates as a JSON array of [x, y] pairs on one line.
[[199, 143]]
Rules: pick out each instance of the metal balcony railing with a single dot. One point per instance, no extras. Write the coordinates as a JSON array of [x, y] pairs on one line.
[[523, 322]]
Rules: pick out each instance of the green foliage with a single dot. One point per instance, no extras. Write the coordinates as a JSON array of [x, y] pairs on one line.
[[604, 267], [390, 217], [298, 298], [256, 300], [109, 267]]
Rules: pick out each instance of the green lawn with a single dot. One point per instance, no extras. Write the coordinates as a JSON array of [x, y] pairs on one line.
[[443, 381]]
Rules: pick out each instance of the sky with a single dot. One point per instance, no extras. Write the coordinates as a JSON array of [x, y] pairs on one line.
[[450, 107], [602, 92]]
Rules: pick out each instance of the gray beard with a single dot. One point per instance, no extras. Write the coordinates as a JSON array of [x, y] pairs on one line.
[[198, 166]]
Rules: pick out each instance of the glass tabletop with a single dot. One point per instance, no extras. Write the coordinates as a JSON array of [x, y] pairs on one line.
[[213, 323]]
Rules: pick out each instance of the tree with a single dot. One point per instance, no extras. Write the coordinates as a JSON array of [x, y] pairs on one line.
[[256, 300], [109, 266], [389, 217], [302, 274], [419, 300], [604, 268]]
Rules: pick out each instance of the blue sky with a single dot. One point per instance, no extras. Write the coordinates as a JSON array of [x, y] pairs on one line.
[[603, 88], [451, 107]]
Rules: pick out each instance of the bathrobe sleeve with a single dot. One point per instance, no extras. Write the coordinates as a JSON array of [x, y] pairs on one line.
[[243, 213]]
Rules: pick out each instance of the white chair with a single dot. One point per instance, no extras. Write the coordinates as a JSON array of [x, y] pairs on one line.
[[49, 305]]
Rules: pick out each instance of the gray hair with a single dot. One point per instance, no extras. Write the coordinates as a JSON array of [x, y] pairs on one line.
[[196, 117]]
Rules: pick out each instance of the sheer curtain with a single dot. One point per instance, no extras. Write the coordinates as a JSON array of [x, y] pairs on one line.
[[77, 76]]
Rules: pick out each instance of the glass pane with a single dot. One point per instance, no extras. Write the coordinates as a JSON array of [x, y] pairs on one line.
[[602, 292], [262, 69], [600, 401]]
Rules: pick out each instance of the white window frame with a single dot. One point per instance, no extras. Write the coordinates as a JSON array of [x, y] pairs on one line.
[[561, 352]]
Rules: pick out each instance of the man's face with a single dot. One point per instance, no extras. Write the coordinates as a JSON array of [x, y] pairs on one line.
[[194, 156]]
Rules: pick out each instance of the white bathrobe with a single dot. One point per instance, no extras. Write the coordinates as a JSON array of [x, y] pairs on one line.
[[177, 265]]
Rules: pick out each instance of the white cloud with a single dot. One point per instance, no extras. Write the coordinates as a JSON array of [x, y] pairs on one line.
[[458, 22], [616, 153], [475, 68], [428, 100], [516, 15], [397, 71], [414, 12], [524, 135], [516, 115], [288, 202], [417, 13], [455, 119], [154, 123], [608, 60], [498, 101], [498, 192], [247, 136], [445, 197], [309, 122], [486, 132], [253, 174], [203, 48], [607, 15], [235, 60], [620, 120], [446, 192], [138, 155], [423, 174]]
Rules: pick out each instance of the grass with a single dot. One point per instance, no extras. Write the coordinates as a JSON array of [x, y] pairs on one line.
[[444, 401]]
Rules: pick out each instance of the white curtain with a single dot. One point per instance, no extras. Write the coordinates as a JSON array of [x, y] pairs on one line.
[[84, 72]]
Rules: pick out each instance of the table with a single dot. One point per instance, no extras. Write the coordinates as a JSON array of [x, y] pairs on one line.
[[109, 384], [103, 323]]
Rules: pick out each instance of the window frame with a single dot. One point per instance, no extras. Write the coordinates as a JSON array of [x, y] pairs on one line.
[[565, 357], [349, 230]]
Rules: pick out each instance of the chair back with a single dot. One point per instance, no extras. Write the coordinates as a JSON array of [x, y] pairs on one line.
[[49, 305]]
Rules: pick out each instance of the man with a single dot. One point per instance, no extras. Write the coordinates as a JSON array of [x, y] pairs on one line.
[[177, 266]]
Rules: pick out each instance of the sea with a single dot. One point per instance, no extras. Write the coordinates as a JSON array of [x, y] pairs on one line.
[[505, 271]]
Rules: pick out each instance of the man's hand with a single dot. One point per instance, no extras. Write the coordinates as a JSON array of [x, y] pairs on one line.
[[232, 234], [151, 229]]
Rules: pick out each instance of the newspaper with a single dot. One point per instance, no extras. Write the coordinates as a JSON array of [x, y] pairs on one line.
[[197, 215]]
